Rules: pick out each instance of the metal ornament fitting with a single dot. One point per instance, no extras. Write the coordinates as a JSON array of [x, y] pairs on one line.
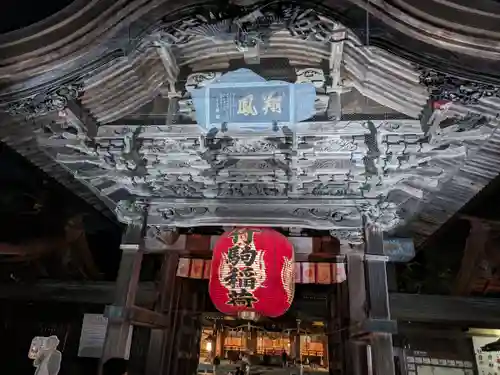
[[249, 315]]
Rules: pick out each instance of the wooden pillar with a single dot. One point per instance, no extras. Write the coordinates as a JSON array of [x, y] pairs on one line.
[[297, 348], [379, 323], [118, 330], [369, 307], [186, 330], [294, 337], [358, 358], [357, 312], [335, 328], [219, 343], [157, 342], [326, 359], [343, 309], [251, 343], [296, 344], [357, 288], [172, 313]]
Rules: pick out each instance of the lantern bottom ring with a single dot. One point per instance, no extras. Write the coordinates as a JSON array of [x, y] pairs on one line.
[[249, 315]]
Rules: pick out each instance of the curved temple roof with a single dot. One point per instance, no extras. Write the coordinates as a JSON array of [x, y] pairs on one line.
[[403, 132]]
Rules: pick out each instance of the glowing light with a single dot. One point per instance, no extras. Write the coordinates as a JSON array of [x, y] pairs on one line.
[[209, 346]]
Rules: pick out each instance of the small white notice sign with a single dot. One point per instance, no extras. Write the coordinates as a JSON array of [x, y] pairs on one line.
[[93, 335]]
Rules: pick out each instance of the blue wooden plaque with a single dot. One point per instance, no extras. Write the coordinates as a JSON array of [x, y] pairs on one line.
[[244, 100]]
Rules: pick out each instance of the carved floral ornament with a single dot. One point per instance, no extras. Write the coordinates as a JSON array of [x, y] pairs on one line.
[[249, 27], [51, 101], [444, 87]]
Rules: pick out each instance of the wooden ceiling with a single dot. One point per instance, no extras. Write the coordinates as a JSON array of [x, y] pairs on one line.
[[44, 226]]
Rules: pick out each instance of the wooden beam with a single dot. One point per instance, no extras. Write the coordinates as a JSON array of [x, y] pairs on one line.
[[432, 331], [475, 248], [91, 292], [466, 311]]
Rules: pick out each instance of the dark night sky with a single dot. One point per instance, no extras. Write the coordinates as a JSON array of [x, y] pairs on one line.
[[21, 184], [16, 14]]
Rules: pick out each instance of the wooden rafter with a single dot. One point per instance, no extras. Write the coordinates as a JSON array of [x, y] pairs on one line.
[[475, 248]]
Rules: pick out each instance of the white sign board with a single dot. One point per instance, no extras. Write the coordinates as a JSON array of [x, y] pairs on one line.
[[488, 363], [93, 335], [435, 370]]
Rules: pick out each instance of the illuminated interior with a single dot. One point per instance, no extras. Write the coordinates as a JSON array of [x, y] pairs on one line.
[[228, 344]]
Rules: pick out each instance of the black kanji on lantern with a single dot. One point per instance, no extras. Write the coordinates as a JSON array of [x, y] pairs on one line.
[[243, 237], [241, 298], [248, 278], [243, 250], [248, 255], [233, 279], [233, 255]]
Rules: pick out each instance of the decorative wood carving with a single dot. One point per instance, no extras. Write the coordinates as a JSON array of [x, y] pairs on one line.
[[330, 175]]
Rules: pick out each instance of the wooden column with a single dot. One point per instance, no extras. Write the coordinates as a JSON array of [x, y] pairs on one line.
[[369, 306], [157, 342], [219, 343], [343, 310], [358, 358], [325, 350], [357, 312], [172, 312], [357, 288], [252, 341], [186, 330], [294, 337], [297, 348], [379, 322], [118, 330], [334, 329]]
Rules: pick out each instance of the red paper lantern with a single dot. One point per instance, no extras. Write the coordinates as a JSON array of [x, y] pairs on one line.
[[252, 272]]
